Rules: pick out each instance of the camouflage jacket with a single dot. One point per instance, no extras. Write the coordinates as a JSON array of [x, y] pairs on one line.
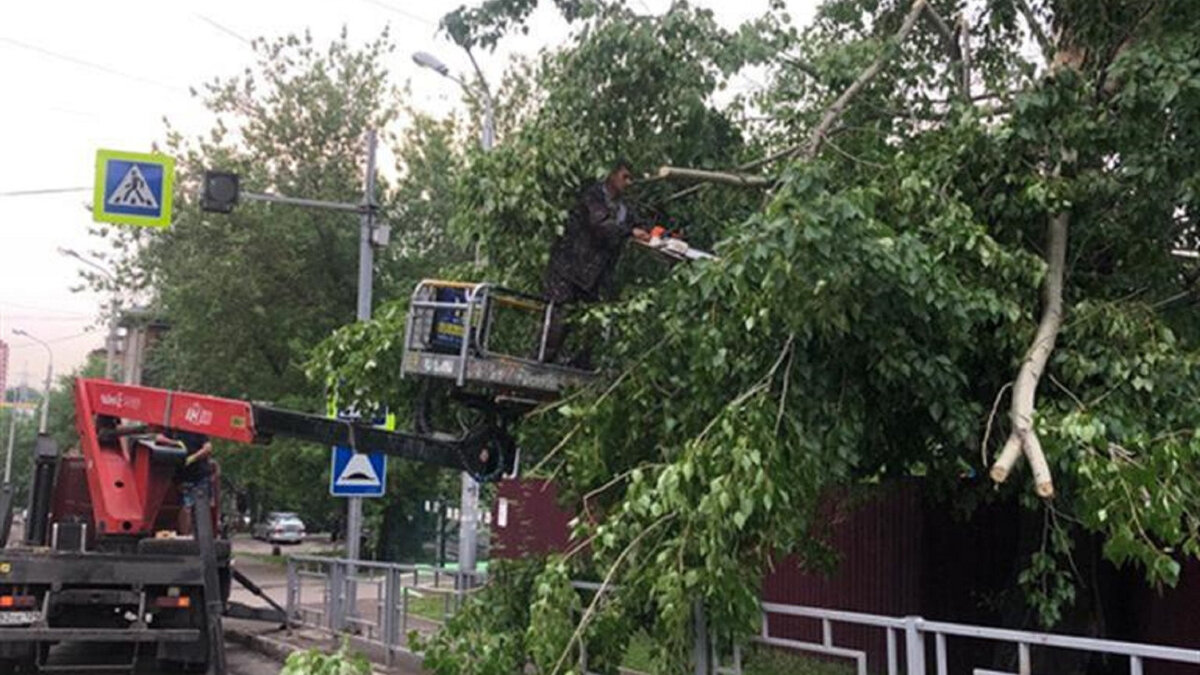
[[587, 251]]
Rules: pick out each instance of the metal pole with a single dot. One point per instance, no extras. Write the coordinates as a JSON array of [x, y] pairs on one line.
[[110, 357], [700, 645], [46, 396], [365, 266], [300, 201], [12, 433], [49, 376], [469, 496], [110, 362], [489, 123]]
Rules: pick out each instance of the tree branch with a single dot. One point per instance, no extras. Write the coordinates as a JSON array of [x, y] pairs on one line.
[[810, 149], [725, 178], [1036, 28], [1023, 438], [964, 32], [802, 65], [987, 431], [812, 146], [953, 48], [604, 586]]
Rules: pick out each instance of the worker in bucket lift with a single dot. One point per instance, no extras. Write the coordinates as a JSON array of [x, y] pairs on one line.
[[584, 257], [195, 472]]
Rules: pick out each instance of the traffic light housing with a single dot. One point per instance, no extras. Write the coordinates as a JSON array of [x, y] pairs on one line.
[[220, 193]]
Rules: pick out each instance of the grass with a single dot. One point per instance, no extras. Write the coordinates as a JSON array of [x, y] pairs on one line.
[[265, 557], [765, 661], [755, 660], [637, 654], [427, 605]]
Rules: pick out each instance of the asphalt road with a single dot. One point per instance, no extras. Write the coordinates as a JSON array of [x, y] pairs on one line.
[[239, 660]]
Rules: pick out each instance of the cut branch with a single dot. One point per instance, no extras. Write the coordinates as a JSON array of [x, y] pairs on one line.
[[1035, 27], [803, 66], [810, 149], [964, 31], [950, 38], [604, 586], [1023, 438], [812, 146], [725, 178]]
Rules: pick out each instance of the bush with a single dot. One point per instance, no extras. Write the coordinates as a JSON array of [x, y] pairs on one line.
[[316, 662]]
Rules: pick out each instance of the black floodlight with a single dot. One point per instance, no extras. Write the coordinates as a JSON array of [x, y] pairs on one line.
[[220, 191]]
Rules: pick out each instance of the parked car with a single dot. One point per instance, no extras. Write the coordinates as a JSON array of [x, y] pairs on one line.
[[280, 527]]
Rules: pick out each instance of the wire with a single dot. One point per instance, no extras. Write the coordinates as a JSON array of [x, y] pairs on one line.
[[44, 191], [42, 317], [54, 341], [90, 64], [224, 29], [401, 12], [53, 310]]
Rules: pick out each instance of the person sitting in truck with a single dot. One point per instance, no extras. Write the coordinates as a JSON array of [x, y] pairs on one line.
[[196, 472], [582, 260]]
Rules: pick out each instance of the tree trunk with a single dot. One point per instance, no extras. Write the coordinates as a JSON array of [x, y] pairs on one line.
[[1023, 438]]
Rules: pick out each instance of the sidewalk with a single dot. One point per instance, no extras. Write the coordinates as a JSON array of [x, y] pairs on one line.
[[269, 639]]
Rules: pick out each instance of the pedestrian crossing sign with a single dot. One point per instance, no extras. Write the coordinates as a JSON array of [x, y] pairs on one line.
[[133, 188]]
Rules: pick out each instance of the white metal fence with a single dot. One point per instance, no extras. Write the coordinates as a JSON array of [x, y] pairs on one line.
[[381, 602], [914, 642]]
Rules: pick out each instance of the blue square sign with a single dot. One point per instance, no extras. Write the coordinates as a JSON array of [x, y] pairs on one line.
[[357, 474], [133, 188]]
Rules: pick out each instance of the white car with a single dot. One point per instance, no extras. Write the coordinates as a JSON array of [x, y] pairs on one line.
[[280, 527]]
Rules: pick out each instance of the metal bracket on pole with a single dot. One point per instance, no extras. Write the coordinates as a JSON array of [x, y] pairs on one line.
[[311, 203]]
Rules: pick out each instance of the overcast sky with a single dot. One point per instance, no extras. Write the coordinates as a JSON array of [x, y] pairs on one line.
[[79, 75]]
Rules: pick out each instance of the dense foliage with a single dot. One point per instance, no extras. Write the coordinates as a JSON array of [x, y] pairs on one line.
[[866, 321], [869, 311]]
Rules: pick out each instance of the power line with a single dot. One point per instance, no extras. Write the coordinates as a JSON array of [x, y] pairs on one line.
[[224, 29], [35, 308], [401, 12], [43, 318], [43, 191], [67, 338], [90, 64]]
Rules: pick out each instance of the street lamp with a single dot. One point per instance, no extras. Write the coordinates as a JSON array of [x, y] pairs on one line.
[[110, 346], [49, 376], [469, 497], [427, 60]]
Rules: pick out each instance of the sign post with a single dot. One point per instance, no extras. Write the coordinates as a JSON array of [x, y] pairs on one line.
[[133, 188]]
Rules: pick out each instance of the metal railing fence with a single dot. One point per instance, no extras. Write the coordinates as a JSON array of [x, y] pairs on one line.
[[380, 602], [376, 602], [913, 634]]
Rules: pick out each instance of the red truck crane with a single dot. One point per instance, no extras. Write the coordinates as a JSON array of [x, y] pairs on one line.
[[90, 568]]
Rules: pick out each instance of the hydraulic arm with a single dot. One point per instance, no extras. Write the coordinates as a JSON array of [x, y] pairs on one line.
[[128, 480]]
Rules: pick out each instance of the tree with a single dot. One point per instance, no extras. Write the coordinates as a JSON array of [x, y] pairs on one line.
[[60, 425], [247, 295], [948, 221]]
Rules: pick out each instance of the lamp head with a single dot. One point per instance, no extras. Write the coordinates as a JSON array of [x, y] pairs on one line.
[[427, 60]]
